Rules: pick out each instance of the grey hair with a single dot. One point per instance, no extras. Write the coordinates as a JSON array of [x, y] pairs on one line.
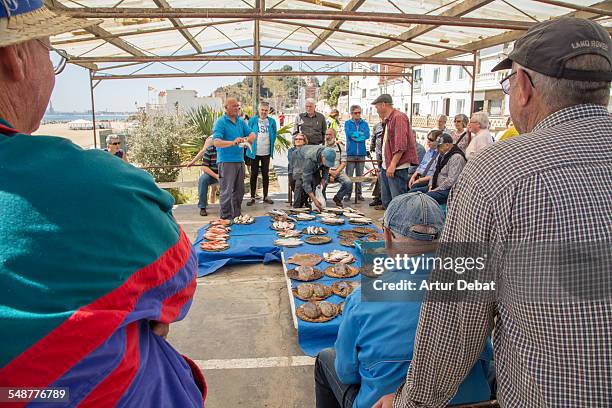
[[265, 104], [443, 116], [482, 118], [310, 100], [559, 93], [353, 107], [464, 119], [110, 138]]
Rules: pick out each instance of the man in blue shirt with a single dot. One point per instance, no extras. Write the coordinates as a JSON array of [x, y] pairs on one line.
[[229, 133], [357, 132], [376, 337]]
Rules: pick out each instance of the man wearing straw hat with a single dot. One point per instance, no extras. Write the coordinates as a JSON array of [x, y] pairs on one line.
[[85, 306]]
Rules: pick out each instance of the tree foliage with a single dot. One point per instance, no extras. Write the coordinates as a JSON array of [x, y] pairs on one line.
[[156, 142], [333, 88], [281, 91]]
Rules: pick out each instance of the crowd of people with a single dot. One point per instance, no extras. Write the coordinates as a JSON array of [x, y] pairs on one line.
[[87, 305]]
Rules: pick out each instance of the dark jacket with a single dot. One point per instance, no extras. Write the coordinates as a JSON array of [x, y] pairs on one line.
[[313, 127], [307, 166]]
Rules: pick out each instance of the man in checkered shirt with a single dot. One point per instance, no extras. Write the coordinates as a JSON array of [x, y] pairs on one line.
[[543, 202]]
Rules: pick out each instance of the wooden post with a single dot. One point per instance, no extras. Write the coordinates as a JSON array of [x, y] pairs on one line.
[[93, 108]]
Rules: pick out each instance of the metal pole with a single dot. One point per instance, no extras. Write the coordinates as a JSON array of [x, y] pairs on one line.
[[256, 68], [411, 94], [475, 54], [93, 108]]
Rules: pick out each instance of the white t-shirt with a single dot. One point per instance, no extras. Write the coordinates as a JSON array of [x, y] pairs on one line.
[[263, 138]]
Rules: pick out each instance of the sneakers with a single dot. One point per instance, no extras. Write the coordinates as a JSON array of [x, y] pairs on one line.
[[251, 202], [338, 202], [268, 200], [203, 212], [375, 203]]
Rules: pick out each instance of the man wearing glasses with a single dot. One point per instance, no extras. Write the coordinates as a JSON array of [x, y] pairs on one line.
[[86, 303], [357, 133], [548, 237]]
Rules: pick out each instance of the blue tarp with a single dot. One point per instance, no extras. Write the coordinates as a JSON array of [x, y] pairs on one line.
[[314, 337], [251, 243], [255, 243]]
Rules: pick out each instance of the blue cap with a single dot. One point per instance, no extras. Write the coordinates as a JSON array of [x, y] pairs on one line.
[[329, 157], [416, 216]]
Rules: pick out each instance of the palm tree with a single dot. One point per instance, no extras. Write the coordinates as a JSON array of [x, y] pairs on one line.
[[201, 120]]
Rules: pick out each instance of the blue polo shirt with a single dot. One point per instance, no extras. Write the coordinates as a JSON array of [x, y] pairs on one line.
[[225, 129]]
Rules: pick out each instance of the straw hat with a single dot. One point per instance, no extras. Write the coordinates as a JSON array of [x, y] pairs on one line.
[[23, 20]]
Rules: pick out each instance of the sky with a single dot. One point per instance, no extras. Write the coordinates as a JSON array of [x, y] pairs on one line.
[[72, 94]]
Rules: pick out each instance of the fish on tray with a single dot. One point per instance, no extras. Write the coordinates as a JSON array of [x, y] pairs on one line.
[[282, 225], [244, 219], [338, 256], [288, 242], [314, 230], [317, 312]]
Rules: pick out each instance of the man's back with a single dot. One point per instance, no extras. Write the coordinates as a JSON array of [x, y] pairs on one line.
[[544, 196], [375, 343], [89, 255]]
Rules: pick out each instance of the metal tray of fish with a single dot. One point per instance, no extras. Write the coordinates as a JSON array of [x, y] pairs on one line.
[[305, 273], [288, 242], [317, 312], [317, 239], [312, 291], [344, 288], [314, 230], [305, 259], [341, 271]]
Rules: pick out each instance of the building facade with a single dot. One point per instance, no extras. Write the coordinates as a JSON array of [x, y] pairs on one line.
[[437, 90], [181, 101]]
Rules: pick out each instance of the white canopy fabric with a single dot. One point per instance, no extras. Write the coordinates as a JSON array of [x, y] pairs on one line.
[[133, 35]]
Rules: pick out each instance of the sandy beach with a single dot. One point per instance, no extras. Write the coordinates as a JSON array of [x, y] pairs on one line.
[[83, 138]]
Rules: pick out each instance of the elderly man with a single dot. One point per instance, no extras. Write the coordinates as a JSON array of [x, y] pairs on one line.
[[210, 173], [262, 151], [399, 150], [376, 336], [480, 135], [357, 133], [311, 124], [336, 173], [441, 123], [113, 146], [551, 318], [93, 266], [311, 169], [230, 133]]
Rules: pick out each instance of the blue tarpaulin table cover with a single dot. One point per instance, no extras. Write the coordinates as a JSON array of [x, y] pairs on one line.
[[252, 243], [314, 337]]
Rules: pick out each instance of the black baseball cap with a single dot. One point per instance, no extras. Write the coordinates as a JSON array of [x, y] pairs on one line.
[[546, 47], [444, 138], [383, 98]]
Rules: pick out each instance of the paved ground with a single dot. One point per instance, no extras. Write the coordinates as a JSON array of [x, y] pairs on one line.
[[239, 329]]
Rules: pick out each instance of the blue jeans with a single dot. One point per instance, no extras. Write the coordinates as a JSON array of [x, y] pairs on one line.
[[441, 196], [346, 185], [329, 390], [355, 170], [204, 181], [392, 187]]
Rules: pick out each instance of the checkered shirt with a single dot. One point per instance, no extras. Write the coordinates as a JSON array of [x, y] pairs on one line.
[[553, 185]]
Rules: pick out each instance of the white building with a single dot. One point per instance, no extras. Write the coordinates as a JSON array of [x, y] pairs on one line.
[[182, 101], [437, 90]]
